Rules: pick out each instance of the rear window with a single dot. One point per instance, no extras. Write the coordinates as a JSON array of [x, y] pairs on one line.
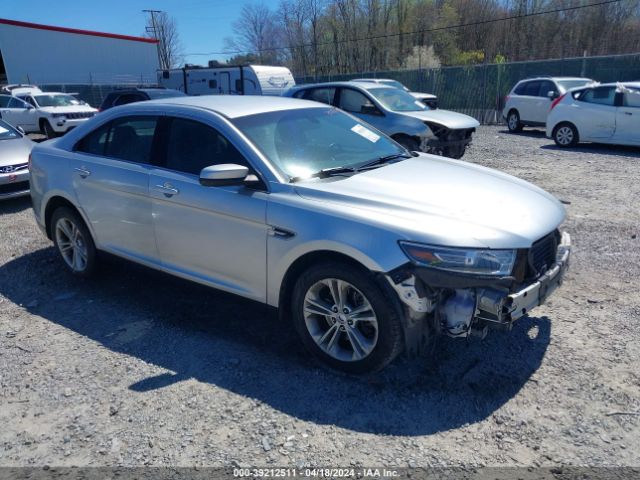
[[601, 96]]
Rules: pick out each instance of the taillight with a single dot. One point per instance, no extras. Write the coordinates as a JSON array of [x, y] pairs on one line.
[[506, 99], [557, 101]]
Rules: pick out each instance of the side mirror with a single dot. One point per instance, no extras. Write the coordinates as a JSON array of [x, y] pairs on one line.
[[551, 94], [224, 174], [369, 109]]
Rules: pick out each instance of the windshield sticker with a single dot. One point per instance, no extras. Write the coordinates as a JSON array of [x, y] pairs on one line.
[[366, 133], [3, 130]]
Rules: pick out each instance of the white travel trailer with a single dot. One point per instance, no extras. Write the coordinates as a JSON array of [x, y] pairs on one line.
[[228, 80]]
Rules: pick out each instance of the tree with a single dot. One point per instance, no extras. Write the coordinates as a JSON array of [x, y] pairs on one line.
[[256, 32], [163, 28]]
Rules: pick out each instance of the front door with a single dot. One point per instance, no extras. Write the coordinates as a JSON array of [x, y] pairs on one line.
[[628, 118], [215, 235], [598, 114], [19, 113], [356, 103], [110, 171]]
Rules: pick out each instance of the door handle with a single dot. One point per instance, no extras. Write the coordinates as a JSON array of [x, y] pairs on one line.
[[628, 113], [83, 172], [167, 189]]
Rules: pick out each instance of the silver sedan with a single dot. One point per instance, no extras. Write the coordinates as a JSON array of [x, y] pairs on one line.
[[15, 148], [366, 248]]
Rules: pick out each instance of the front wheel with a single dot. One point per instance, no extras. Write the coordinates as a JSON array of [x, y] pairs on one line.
[[344, 318], [73, 241], [48, 130], [566, 135]]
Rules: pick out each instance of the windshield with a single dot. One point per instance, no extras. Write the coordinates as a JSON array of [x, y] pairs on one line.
[[56, 100], [394, 83], [398, 100], [302, 142], [569, 84], [7, 132]]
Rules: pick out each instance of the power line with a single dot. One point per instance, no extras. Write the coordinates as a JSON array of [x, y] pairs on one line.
[[414, 32]]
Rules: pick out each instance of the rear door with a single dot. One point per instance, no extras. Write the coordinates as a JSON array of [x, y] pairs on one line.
[[628, 118], [596, 119], [19, 114], [110, 169], [217, 235]]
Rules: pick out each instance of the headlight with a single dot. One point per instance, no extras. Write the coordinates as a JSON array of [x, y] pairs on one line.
[[462, 260]]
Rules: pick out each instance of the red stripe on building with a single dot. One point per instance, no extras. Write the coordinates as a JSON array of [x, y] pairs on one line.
[[51, 28]]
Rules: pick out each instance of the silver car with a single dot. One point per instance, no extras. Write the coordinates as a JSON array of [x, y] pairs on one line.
[[428, 99], [367, 249], [398, 114], [15, 148]]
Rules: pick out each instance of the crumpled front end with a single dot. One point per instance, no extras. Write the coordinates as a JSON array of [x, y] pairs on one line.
[[460, 305]]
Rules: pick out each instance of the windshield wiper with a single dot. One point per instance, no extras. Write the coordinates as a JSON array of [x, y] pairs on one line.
[[382, 160], [326, 172]]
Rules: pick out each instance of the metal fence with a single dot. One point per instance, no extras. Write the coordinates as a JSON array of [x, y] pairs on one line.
[[479, 90]]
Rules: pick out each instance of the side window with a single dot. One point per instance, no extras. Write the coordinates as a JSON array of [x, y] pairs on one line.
[[601, 96], [546, 87], [192, 146], [520, 89], [30, 100], [95, 142], [632, 99], [17, 103], [131, 138], [128, 98], [532, 89], [324, 95], [4, 101], [352, 100]]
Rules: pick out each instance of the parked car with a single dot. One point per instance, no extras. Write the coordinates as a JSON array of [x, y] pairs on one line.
[[366, 248], [125, 96], [14, 158], [607, 113], [50, 113], [428, 99], [398, 114], [527, 105]]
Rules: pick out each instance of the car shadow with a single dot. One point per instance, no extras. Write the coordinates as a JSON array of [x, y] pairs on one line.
[[529, 132], [194, 332], [15, 205], [599, 148]]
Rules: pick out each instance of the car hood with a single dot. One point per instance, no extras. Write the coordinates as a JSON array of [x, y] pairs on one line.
[[69, 109], [445, 202], [446, 118], [15, 151]]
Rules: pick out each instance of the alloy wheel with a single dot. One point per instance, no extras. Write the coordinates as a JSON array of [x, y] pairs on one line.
[[340, 319], [71, 244]]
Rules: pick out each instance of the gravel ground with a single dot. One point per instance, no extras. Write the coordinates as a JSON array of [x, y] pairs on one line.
[[138, 368]]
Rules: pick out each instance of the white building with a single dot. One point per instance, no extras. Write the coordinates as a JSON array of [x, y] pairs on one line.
[[43, 54]]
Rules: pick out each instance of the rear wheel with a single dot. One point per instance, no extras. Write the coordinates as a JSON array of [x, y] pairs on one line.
[[73, 241], [513, 122], [344, 318], [566, 135]]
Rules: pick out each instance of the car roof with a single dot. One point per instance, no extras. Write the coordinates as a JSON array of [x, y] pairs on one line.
[[359, 84], [233, 106], [614, 84], [555, 78]]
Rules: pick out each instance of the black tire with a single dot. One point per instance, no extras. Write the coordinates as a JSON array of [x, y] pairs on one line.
[[47, 129], [566, 135], [513, 122], [70, 216], [389, 335], [407, 142]]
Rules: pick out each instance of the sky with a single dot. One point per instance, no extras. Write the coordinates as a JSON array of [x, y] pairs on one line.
[[202, 24]]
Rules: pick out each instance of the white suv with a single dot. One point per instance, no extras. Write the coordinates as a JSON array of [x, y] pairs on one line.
[[51, 113], [529, 101]]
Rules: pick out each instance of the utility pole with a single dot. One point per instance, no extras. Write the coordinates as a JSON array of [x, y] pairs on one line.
[[154, 31]]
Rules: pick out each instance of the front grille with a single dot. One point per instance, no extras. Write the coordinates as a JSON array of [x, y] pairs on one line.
[[542, 254], [13, 168], [14, 187], [77, 115]]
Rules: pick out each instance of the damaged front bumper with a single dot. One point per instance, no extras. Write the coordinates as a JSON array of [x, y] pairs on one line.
[[479, 303]]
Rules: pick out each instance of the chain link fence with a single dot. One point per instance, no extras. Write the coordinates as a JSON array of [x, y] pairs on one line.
[[479, 90]]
